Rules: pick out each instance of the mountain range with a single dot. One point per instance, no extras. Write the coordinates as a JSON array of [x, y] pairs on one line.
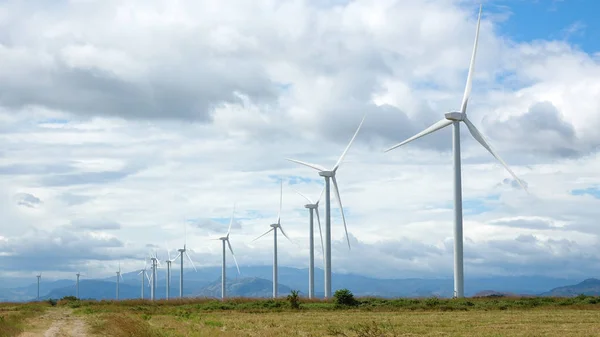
[[256, 282]]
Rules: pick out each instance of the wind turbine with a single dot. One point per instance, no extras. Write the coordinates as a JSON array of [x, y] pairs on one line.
[[274, 230], [330, 175], [143, 273], [155, 263], [38, 285], [225, 239], [77, 286], [118, 276], [312, 208], [169, 261], [183, 252], [454, 118]]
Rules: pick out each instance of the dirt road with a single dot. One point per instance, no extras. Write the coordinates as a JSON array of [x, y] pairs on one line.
[[56, 322]]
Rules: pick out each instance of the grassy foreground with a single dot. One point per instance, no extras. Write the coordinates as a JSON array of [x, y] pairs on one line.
[[578, 316], [13, 316]]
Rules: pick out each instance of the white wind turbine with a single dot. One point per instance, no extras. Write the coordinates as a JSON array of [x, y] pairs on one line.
[[38, 285], [118, 277], [455, 118], [225, 239], [77, 285], [183, 252], [155, 263], [143, 273], [313, 207], [274, 230], [169, 261], [330, 175]]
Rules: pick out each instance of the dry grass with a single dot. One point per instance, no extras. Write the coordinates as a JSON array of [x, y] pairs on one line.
[[372, 317], [14, 315], [536, 322]]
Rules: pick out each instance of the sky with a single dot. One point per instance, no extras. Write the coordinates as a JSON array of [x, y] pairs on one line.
[[128, 127]]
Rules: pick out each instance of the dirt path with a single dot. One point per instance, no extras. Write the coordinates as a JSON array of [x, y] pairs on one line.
[[57, 322]]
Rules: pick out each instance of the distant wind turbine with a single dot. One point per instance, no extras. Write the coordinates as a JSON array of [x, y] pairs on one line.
[[330, 174], [143, 273], [312, 208], [274, 230], [38, 285], [169, 261], [118, 277], [455, 118], [155, 263], [183, 252], [225, 239], [77, 286]]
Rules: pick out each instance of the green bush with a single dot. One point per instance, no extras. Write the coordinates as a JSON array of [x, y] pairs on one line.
[[52, 302], [294, 299], [344, 297]]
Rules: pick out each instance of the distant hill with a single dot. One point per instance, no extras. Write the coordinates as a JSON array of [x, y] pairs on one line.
[[94, 289], [493, 293], [590, 286], [196, 283], [244, 287]]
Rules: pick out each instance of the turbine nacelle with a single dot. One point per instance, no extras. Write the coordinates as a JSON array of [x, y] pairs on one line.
[[328, 174], [455, 116], [311, 206], [224, 238], [275, 225]]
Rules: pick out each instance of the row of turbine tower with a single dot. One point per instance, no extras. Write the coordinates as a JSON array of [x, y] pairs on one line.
[[453, 118]]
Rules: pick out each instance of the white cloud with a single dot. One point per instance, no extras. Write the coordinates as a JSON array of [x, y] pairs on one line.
[[128, 121]]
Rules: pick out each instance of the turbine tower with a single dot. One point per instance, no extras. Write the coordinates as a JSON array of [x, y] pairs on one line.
[[169, 261], [273, 229], [225, 239], [454, 118], [38, 285], [155, 263], [313, 207], [183, 252], [329, 175], [118, 276], [77, 286], [143, 273]]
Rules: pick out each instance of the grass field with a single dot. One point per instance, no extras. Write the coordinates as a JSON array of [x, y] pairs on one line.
[[579, 316], [14, 315]]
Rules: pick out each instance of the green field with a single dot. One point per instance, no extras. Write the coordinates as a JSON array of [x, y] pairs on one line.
[[579, 316]]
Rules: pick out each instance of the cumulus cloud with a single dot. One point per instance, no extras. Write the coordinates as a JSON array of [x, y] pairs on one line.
[[128, 121]]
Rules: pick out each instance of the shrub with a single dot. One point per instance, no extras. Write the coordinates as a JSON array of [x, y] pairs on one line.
[[69, 298], [294, 299], [344, 297], [51, 301]]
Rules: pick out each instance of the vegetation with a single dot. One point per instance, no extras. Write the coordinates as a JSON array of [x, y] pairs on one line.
[[344, 297], [13, 316], [294, 299], [343, 315]]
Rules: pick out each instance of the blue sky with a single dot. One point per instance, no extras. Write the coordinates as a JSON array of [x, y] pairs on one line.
[[575, 21]]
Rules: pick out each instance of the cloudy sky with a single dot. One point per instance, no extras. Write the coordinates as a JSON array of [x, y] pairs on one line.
[[122, 123]]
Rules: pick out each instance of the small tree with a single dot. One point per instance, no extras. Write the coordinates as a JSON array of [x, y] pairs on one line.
[[294, 299], [344, 297]]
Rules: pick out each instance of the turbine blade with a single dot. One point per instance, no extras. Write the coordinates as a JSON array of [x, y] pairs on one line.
[[305, 197], [479, 137], [232, 254], [287, 237], [320, 195], [438, 125], [178, 255], [280, 200], [121, 277], [267, 232], [468, 86], [339, 162], [192, 262], [148, 277], [320, 232], [168, 251], [231, 221], [339, 200], [314, 166]]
